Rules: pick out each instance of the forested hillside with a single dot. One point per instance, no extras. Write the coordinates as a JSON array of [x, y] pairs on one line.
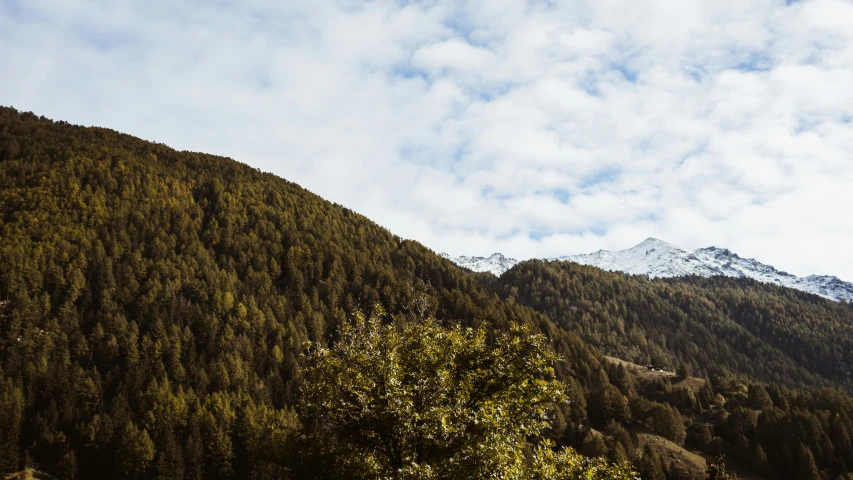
[[733, 332], [156, 304], [717, 325], [160, 312]]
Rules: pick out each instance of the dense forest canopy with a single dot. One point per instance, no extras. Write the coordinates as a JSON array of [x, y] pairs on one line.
[[718, 325], [156, 301], [155, 308]]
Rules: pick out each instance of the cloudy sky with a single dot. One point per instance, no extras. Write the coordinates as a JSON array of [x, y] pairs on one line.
[[534, 128]]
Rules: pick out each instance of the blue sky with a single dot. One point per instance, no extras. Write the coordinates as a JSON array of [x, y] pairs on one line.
[[533, 128]]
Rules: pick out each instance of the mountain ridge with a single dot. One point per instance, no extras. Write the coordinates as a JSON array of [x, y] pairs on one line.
[[657, 258]]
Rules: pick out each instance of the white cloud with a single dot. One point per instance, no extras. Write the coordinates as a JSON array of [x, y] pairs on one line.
[[453, 54], [528, 127]]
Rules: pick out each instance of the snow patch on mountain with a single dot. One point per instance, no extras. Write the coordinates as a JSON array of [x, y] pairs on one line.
[[657, 258], [653, 257], [496, 263]]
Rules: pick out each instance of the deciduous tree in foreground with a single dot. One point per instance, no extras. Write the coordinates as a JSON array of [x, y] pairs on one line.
[[416, 400]]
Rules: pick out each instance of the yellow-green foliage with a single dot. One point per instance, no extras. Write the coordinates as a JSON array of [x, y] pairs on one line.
[[567, 464], [412, 399]]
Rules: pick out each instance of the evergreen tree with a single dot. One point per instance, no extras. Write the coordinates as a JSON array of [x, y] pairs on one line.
[[194, 452], [135, 451], [67, 464], [593, 445], [169, 462], [607, 404], [806, 467], [760, 465], [668, 423], [717, 470], [684, 370], [619, 435], [650, 465], [618, 455], [699, 435], [758, 399], [11, 416], [706, 395]]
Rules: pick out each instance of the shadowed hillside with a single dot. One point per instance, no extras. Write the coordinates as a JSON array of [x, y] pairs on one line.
[[716, 325]]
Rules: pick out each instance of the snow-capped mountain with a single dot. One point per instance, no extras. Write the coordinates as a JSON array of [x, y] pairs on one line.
[[496, 263], [657, 258]]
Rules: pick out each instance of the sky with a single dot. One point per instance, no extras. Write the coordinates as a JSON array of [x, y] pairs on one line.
[[533, 128]]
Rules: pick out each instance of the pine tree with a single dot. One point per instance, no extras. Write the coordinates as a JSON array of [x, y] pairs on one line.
[[618, 455], [135, 451], [758, 399], [806, 467], [11, 416], [169, 463], [67, 465], [620, 435], [194, 451], [684, 370], [841, 440], [668, 423], [700, 435], [777, 395], [706, 395], [717, 470], [760, 465], [593, 445], [650, 465]]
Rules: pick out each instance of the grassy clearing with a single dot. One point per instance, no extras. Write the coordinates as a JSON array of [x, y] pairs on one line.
[[692, 383]]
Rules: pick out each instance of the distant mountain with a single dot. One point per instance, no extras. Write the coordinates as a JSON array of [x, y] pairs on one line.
[[496, 263], [657, 258]]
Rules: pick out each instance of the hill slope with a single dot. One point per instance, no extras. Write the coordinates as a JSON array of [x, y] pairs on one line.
[[166, 297], [719, 325]]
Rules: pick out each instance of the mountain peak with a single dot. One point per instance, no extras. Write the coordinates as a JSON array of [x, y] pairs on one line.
[[657, 258], [496, 263], [652, 241]]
